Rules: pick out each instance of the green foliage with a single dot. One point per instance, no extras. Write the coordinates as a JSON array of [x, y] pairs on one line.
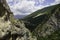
[[32, 22], [53, 36], [38, 22]]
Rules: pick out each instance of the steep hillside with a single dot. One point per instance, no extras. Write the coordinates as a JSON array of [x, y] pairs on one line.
[[36, 18], [50, 25], [11, 28], [45, 23]]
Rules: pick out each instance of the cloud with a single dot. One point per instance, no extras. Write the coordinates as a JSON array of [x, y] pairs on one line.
[[25, 7], [22, 7], [37, 2]]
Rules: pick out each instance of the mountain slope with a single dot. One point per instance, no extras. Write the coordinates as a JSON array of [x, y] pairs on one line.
[[45, 23], [39, 16]]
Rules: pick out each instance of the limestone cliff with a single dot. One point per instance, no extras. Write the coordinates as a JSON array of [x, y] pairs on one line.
[[10, 28]]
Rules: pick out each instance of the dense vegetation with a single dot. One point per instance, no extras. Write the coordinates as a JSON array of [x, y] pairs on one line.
[[45, 23]]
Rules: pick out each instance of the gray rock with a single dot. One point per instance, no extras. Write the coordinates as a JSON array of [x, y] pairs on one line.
[[10, 28]]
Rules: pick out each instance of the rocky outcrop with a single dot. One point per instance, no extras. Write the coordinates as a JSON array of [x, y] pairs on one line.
[[11, 28], [50, 25]]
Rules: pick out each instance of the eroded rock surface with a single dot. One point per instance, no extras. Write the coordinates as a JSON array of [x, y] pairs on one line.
[[10, 28]]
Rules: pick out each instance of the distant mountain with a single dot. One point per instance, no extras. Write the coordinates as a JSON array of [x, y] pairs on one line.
[[19, 16], [44, 23]]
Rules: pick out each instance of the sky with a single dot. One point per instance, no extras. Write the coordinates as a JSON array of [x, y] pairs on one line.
[[26, 7]]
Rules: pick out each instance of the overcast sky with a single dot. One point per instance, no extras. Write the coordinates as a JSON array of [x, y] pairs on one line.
[[25, 7]]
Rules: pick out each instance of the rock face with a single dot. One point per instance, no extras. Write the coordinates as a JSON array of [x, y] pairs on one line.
[[10, 28], [50, 24], [49, 27]]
